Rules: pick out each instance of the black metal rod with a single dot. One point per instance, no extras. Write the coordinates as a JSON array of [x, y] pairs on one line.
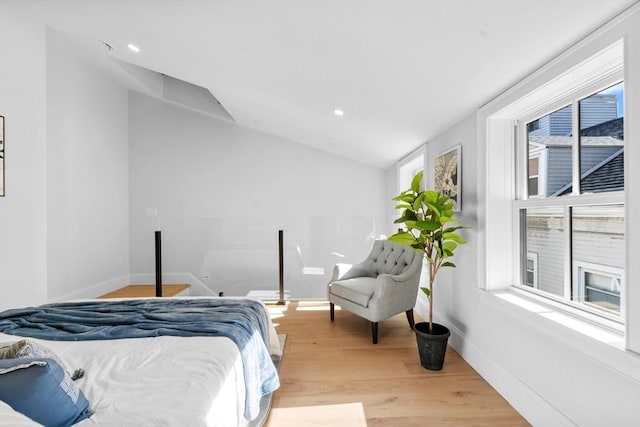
[[281, 265], [158, 264]]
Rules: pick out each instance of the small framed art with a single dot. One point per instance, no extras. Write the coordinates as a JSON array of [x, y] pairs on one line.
[[447, 177]]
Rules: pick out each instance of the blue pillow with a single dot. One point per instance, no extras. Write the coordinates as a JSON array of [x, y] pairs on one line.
[[43, 391]]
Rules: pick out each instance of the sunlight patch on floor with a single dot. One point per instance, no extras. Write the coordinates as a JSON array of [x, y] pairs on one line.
[[278, 311], [346, 414], [312, 305], [315, 308]]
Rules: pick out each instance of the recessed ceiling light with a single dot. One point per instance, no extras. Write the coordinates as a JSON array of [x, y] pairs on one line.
[[133, 48], [338, 112]]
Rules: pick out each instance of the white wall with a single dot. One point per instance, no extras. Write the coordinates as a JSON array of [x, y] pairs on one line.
[[87, 176], [222, 192], [391, 190], [71, 191], [552, 374], [23, 242]]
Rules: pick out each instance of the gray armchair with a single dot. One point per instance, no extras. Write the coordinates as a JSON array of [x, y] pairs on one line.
[[381, 286]]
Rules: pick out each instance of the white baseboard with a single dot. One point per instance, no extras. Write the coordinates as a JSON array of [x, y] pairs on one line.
[[95, 290], [527, 402], [197, 287]]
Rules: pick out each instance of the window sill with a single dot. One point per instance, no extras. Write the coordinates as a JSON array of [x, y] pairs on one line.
[[603, 343]]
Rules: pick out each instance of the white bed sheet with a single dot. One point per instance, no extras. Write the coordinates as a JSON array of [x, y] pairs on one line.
[[160, 381]]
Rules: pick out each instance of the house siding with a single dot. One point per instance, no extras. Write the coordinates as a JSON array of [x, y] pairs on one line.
[[558, 168], [545, 238]]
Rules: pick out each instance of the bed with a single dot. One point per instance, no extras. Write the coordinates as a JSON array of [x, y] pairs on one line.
[[147, 365]]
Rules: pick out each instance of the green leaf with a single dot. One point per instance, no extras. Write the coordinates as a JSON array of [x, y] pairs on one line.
[[426, 291], [410, 223], [403, 206], [449, 246], [407, 198], [453, 236], [418, 202], [427, 225], [431, 196], [403, 237], [415, 182], [448, 264], [454, 228], [446, 219], [433, 207]]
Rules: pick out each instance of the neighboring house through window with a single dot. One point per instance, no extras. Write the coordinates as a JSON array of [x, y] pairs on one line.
[[599, 286], [571, 210], [532, 270]]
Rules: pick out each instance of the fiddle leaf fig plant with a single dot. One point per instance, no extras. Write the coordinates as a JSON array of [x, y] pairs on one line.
[[430, 228]]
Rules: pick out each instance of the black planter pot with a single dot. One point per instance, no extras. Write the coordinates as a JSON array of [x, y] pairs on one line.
[[432, 347]]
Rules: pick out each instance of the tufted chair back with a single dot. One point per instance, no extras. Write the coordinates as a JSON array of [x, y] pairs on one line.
[[389, 258], [385, 258]]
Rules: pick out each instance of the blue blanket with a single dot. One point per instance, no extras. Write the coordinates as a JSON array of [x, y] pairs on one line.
[[243, 321]]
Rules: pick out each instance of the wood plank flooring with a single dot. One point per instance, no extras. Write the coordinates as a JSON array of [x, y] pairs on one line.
[[145, 291], [332, 375]]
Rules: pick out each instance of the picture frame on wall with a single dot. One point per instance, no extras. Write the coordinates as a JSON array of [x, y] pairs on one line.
[[447, 175], [2, 156]]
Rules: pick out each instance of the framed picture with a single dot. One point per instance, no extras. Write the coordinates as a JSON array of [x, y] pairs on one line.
[[447, 177], [1, 156]]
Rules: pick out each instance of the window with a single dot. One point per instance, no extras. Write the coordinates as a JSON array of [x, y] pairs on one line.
[[408, 168], [570, 203], [532, 270], [599, 286], [534, 182], [534, 125]]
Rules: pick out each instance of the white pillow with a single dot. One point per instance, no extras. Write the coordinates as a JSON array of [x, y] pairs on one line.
[[11, 418]]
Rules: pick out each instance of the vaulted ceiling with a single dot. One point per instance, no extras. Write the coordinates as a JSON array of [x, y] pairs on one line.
[[402, 71]]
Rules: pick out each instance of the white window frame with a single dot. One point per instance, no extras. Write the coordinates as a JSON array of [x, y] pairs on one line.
[[576, 76], [575, 199], [409, 166], [580, 268], [598, 52]]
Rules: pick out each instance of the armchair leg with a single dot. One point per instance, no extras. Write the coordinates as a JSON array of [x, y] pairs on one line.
[[332, 311], [374, 332], [412, 322]]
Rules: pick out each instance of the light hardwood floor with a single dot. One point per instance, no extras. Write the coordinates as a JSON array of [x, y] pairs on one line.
[[332, 375]]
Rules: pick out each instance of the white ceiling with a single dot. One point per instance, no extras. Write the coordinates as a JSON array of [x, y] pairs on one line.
[[402, 71]]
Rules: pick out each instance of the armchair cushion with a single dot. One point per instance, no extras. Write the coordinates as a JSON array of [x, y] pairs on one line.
[[359, 290], [359, 270]]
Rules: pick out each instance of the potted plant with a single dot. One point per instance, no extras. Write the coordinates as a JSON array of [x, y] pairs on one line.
[[430, 228]]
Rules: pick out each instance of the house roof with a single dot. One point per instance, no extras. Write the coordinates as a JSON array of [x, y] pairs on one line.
[[613, 128], [606, 133], [607, 175]]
